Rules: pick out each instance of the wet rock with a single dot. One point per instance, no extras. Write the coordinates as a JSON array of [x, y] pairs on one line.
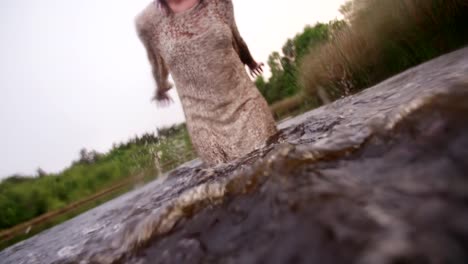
[[378, 177], [399, 198]]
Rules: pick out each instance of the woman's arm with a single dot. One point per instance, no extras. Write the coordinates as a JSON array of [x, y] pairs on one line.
[[238, 42], [158, 66]]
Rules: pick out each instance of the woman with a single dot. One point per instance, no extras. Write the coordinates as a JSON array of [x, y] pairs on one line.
[[197, 41]]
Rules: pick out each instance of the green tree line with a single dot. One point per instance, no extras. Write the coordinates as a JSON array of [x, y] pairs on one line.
[[25, 197], [376, 40], [285, 66]]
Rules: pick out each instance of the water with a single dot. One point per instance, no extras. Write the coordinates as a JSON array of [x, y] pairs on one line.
[[222, 214]]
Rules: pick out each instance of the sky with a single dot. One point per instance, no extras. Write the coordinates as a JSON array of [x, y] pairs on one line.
[[74, 75]]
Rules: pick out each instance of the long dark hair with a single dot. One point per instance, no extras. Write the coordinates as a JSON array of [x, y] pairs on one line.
[[162, 4]]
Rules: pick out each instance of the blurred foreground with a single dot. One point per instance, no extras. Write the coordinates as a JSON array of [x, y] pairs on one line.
[[377, 177]]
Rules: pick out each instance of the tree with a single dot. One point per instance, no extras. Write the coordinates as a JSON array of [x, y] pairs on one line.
[[346, 10], [89, 157], [41, 173], [284, 67]]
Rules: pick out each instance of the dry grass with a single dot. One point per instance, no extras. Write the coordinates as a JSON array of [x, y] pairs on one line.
[[384, 37], [288, 105]]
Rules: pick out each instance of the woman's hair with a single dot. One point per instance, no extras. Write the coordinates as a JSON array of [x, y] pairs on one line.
[[162, 4]]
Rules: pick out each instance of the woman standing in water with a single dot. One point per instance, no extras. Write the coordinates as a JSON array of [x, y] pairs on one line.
[[198, 42]]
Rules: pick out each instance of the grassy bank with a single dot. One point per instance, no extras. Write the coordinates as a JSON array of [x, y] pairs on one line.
[[383, 38], [284, 66], [23, 198], [376, 40]]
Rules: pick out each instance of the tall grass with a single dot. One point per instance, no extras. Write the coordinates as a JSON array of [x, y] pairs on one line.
[[383, 38]]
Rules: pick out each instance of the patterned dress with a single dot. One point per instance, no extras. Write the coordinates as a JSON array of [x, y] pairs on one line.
[[202, 49]]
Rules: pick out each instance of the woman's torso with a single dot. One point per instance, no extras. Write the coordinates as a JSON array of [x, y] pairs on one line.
[[197, 46]]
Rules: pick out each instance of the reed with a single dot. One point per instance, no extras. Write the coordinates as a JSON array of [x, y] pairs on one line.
[[381, 39]]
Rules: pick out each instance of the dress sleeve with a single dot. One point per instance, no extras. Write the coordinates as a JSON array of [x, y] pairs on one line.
[[239, 44], [158, 66]]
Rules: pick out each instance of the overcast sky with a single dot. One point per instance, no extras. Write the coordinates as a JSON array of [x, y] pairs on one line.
[[73, 74]]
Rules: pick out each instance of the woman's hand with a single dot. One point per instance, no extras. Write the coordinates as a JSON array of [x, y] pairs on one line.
[[162, 99], [256, 69]]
